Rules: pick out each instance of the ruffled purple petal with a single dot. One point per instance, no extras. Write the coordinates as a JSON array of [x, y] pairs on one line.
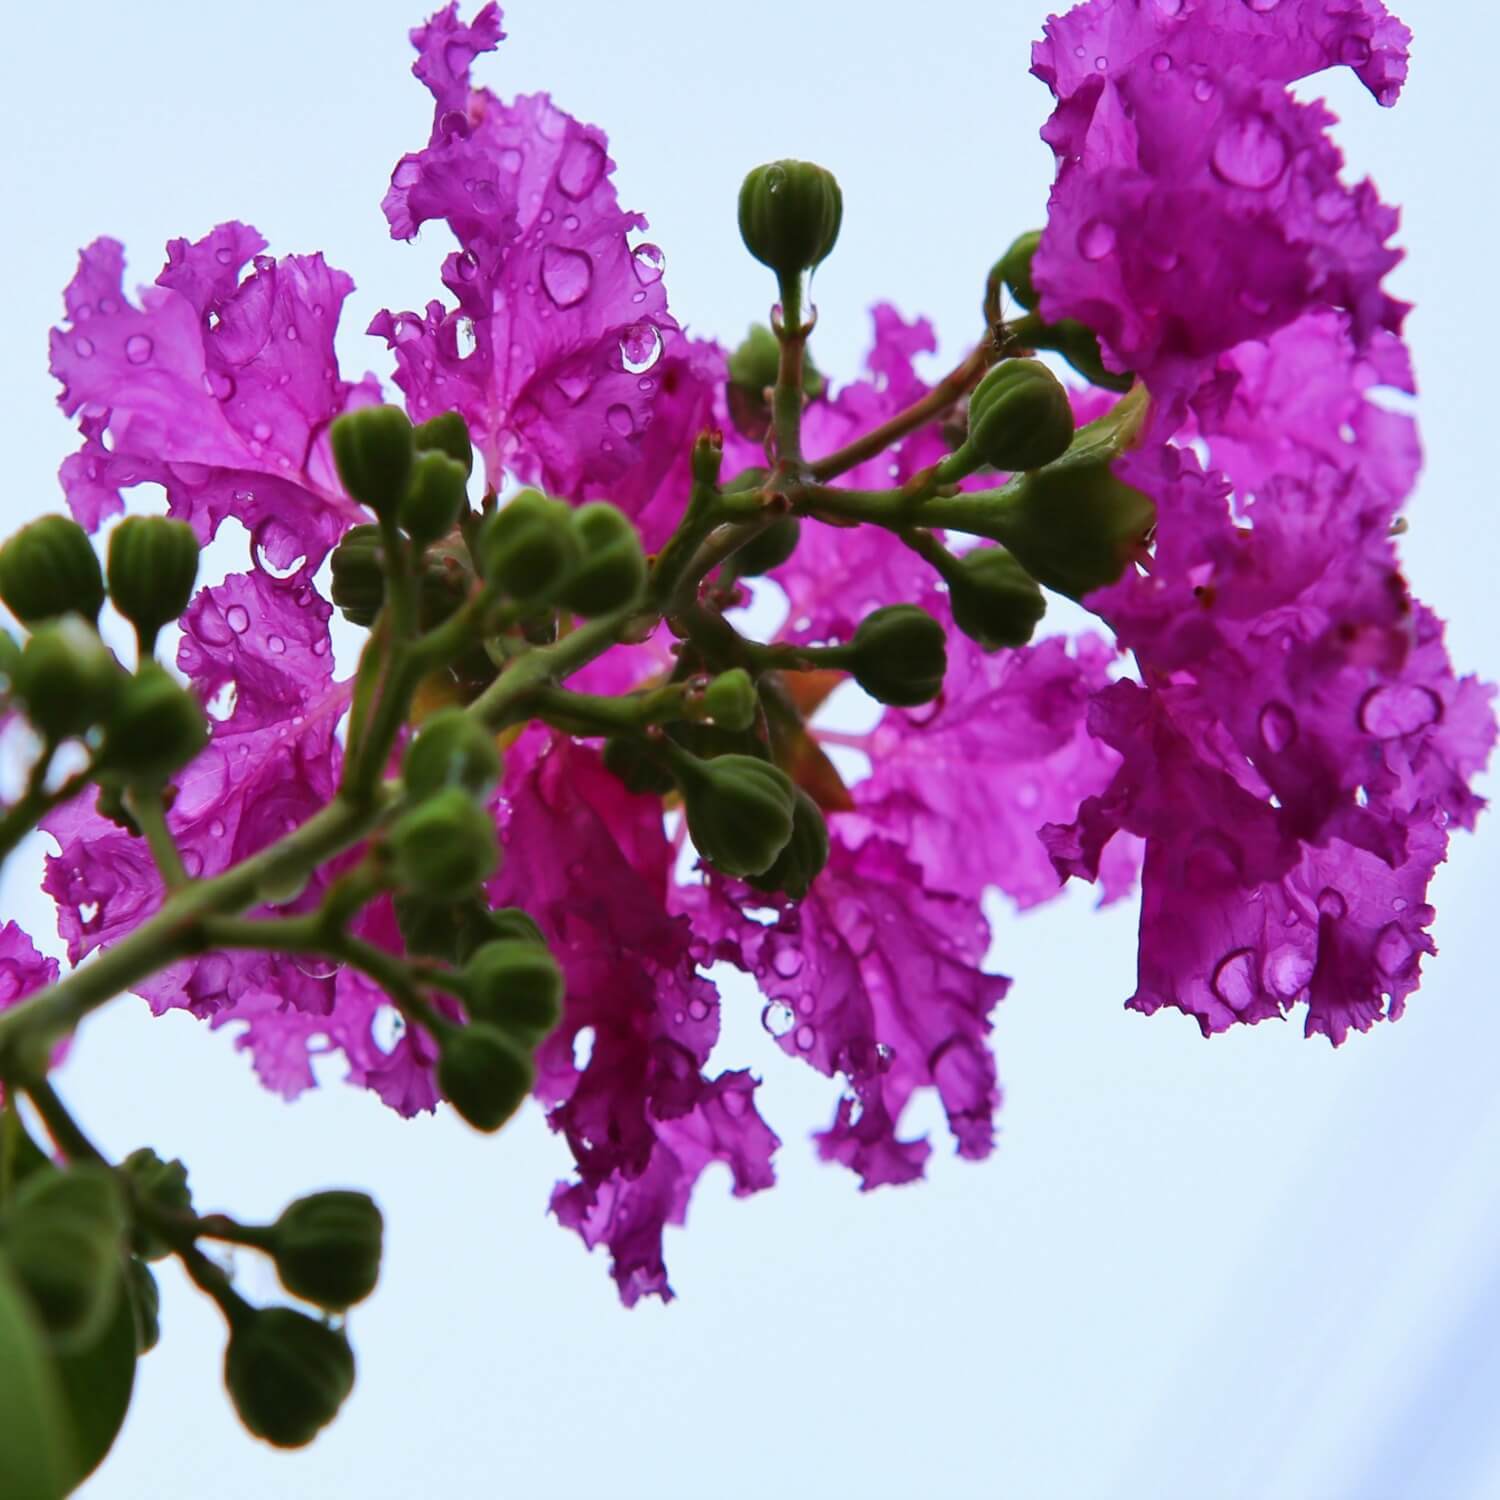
[[23, 970]]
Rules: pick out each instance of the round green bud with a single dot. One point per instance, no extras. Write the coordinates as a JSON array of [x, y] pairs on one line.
[[739, 811], [631, 759], [769, 548], [64, 1233], [731, 701], [327, 1248], [162, 1184], [48, 568], [707, 457], [449, 434], [287, 1374], [995, 600], [1079, 345], [359, 574], [442, 927], [612, 569], [66, 679], [516, 986], [1014, 269], [1019, 416], [528, 547], [513, 924], [790, 212], [372, 449], [145, 1304], [443, 846], [451, 749], [153, 564], [484, 1074], [799, 864], [435, 498], [899, 655], [155, 727]]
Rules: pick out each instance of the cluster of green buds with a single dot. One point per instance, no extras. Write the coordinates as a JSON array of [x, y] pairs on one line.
[[140, 726]]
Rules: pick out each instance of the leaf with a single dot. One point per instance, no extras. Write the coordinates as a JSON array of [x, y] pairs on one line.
[[33, 1461], [96, 1384]]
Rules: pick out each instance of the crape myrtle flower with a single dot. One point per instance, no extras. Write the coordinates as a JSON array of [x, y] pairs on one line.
[[1298, 745], [217, 388], [23, 970]]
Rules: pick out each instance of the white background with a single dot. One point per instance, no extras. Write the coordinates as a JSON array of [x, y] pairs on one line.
[[1251, 1267]]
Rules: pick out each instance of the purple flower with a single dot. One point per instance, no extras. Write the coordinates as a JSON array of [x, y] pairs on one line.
[[22, 971], [219, 389]]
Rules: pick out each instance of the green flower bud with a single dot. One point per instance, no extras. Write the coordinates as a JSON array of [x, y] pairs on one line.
[[153, 564], [1014, 269], [449, 434], [612, 571], [484, 1074], [67, 680], [769, 548], [359, 575], [162, 1184], [806, 852], [513, 924], [1019, 417], [1079, 345], [64, 1234], [899, 655], [529, 546], [637, 765], [451, 749], [707, 457], [442, 927], [995, 600], [49, 568], [739, 810], [753, 370], [373, 449], [731, 701], [516, 986], [790, 212], [443, 846], [287, 1374], [145, 1304], [327, 1248], [436, 497], [155, 727]]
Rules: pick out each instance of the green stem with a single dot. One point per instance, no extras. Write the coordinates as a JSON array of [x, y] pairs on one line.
[[592, 714], [146, 807], [61, 1125], [786, 398]]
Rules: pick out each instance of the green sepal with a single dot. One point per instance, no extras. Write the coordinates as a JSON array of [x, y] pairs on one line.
[[899, 655], [358, 564], [287, 1374], [49, 568]]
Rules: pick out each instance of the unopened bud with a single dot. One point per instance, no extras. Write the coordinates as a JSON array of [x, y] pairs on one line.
[[1014, 269], [790, 212], [48, 568], [445, 844], [435, 497], [359, 575], [327, 1248], [373, 450], [66, 678], [739, 810], [155, 727], [996, 602], [287, 1374], [449, 434], [484, 1074], [799, 864], [769, 548], [707, 457], [511, 923], [451, 749], [153, 564], [611, 571], [1019, 418], [163, 1185], [731, 701], [899, 655], [515, 985], [528, 547]]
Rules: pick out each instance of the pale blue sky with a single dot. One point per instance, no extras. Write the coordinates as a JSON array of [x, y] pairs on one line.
[[1251, 1268]]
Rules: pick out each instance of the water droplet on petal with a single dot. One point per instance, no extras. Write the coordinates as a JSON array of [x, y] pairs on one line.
[[640, 347], [1162, 62], [698, 1008], [1170, 7], [1234, 980], [574, 387], [649, 263], [778, 1018], [805, 1037], [262, 432], [275, 645], [238, 617], [1355, 51], [1395, 951], [1332, 904], [1096, 239], [581, 167], [467, 266], [219, 385], [1278, 727], [1260, 7], [138, 348], [83, 347], [1204, 90], [567, 275], [1250, 152], [1288, 971], [1390, 712], [619, 417], [787, 962]]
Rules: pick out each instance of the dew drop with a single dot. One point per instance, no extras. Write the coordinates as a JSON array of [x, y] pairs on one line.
[[216, 829], [698, 1008], [1234, 980], [1204, 90], [620, 419], [1332, 904], [138, 348], [640, 347], [467, 266], [1288, 971], [1261, 7], [218, 385], [574, 387], [649, 263], [567, 275], [262, 431], [581, 167], [224, 255], [1162, 62], [1101, 64], [805, 1037], [275, 645], [1250, 153], [83, 347], [778, 1018], [787, 962], [1278, 727], [1096, 239], [315, 966], [1390, 712]]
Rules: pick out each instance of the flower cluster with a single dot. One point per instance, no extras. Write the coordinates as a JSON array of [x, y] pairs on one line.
[[1269, 735]]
